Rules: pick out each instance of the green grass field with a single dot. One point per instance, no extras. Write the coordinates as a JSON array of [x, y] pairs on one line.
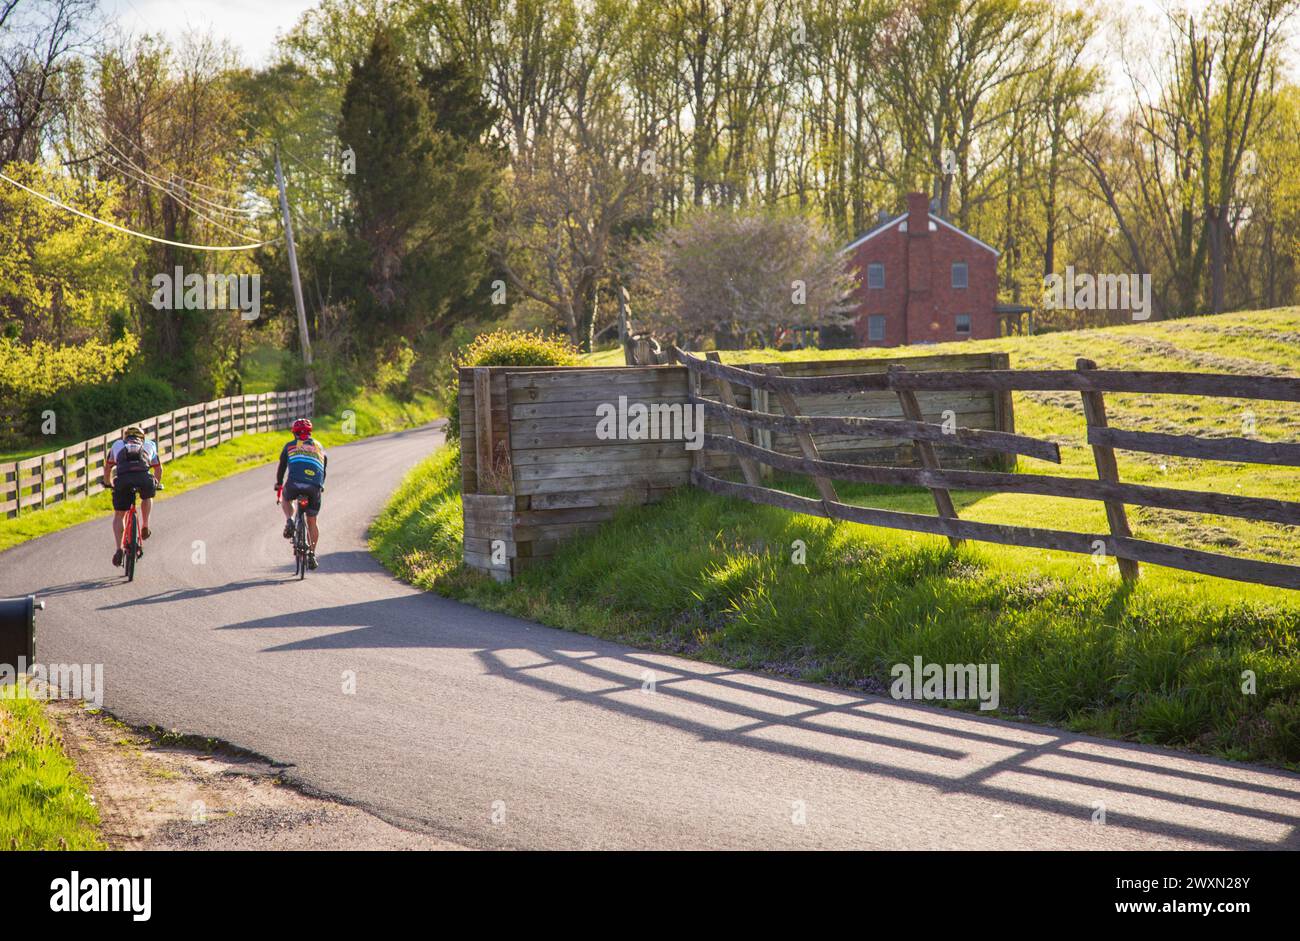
[[1164, 661]]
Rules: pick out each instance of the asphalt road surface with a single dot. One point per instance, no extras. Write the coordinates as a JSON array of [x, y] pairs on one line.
[[495, 732]]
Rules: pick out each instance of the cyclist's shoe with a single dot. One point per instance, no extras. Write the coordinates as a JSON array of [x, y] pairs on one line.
[[144, 533], [311, 559], [288, 529], [117, 558]]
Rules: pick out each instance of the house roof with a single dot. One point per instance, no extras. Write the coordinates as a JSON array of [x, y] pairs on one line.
[[901, 218], [874, 230]]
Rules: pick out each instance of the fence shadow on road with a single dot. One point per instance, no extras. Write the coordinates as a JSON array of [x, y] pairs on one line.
[[1148, 790]]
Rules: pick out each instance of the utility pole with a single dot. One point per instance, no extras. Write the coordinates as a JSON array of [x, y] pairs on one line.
[[303, 339]]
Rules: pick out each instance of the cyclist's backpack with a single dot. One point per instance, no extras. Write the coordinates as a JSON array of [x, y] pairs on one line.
[[134, 456]]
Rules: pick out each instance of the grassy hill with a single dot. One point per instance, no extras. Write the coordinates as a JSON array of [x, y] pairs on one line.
[[1163, 661]]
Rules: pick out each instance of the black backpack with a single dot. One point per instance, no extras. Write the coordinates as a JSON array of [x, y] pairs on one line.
[[133, 456]]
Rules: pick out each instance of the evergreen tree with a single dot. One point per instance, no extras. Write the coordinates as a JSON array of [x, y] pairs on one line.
[[419, 191]]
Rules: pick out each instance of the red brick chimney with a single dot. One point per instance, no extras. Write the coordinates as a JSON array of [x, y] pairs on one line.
[[920, 315], [918, 214]]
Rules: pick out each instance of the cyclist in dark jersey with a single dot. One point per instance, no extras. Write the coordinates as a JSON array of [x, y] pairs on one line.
[[302, 474], [138, 471]]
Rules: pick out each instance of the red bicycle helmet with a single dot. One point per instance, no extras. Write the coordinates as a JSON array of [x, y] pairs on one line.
[[302, 428]]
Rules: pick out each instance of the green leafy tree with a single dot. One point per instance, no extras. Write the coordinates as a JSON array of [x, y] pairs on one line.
[[419, 193], [62, 277]]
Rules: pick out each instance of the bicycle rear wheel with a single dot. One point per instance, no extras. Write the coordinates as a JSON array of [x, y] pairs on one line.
[[300, 545]]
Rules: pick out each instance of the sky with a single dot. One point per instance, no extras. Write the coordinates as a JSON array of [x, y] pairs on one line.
[[251, 25]]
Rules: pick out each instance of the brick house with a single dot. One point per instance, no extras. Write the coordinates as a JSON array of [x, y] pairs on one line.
[[923, 280]]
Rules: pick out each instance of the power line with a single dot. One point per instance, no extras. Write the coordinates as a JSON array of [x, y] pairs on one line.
[[120, 135], [152, 238], [174, 196], [212, 206], [170, 193]]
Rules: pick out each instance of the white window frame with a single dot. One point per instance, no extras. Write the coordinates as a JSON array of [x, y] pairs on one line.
[[965, 268], [872, 320], [872, 268], [956, 325]]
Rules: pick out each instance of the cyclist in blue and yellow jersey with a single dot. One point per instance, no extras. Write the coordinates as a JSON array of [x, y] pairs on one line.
[[302, 474]]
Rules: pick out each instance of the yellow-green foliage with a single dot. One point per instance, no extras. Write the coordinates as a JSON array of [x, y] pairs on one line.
[[40, 369], [394, 369], [506, 348], [517, 348], [60, 274]]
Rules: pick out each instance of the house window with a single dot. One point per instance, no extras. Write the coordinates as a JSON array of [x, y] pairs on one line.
[[875, 275], [959, 274], [963, 325], [876, 327]]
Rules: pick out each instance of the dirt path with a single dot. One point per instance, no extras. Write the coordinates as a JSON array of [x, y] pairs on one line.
[[161, 794]]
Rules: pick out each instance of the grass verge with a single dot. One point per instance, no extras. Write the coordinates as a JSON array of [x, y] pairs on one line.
[[1167, 661], [44, 803]]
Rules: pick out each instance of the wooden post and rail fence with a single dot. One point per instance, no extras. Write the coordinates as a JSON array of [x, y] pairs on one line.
[[535, 472], [77, 471], [1086, 380]]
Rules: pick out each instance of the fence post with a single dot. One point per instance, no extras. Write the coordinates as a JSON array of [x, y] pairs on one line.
[[41, 480], [738, 430], [484, 452], [700, 458], [1094, 411], [761, 400], [924, 449], [806, 443]]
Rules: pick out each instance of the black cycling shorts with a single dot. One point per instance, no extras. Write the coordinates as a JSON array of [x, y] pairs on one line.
[[126, 486], [294, 490]]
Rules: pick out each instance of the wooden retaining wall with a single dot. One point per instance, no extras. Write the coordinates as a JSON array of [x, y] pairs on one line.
[[534, 471]]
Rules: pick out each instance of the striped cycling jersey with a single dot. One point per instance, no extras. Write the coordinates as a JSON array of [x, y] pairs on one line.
[[303, 462]]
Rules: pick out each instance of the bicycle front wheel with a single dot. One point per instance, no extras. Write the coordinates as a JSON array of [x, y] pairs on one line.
[[132, 544]]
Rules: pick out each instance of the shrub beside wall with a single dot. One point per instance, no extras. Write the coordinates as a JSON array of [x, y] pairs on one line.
[[504, 348]]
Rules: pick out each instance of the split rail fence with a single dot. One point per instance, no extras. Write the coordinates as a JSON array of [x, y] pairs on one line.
[[1088, 381], [77, 471]]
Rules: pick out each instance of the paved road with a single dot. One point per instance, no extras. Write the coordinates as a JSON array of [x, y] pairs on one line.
[[491, 731]]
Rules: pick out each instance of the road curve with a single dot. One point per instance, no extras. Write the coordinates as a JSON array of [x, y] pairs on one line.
[[495, 732]]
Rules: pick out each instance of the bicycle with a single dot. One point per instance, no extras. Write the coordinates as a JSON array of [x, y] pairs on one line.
[[301, 547], [132, 547]]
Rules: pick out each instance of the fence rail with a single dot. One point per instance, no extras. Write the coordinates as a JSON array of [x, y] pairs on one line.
[[1090, 382], [76, 471]]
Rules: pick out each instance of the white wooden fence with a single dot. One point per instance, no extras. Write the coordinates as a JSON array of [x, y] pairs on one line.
[[77, 471]]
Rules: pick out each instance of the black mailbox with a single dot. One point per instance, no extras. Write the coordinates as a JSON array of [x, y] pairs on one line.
[[18, 629]]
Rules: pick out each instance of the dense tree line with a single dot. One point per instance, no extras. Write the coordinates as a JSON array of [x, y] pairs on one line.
[[455, 160]]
